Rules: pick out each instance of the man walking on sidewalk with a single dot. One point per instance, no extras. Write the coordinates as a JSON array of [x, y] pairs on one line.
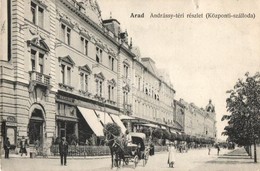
[[7, 147], [218, 149], [63, 148]]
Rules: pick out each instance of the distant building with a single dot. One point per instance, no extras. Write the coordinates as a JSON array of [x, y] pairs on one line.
[[198, 121]]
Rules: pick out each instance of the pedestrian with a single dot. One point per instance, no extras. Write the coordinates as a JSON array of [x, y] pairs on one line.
[[23, 146], [209, 147], [151, 152], [171, 156], [218, 149], [63, 149], [37, 146], [7, 146]]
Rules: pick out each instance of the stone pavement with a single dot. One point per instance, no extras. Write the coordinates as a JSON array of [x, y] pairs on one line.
[[236, 160]]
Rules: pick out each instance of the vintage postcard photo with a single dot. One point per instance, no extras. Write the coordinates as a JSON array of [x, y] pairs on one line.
[[129, 85]]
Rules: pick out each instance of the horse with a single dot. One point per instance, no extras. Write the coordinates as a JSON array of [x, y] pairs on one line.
[[116, 149]]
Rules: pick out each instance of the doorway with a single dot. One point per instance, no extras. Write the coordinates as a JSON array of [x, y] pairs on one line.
[[35, 127]]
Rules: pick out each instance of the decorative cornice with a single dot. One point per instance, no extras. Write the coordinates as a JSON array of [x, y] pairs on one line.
[[85, 68], [111, 82], [100, 76], [67, 59], [85, 33]]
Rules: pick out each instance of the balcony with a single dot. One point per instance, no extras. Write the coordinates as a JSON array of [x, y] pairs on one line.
[[39, 78]]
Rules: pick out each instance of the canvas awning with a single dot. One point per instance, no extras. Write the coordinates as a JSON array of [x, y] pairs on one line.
[[151, 125], [92, 120], [118, 122], [104, 117], [163, 127]]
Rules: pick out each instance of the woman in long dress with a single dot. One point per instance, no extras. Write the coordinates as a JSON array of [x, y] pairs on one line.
[[171, 155]]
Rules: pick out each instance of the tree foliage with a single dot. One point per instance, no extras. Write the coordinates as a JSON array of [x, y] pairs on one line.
[[166, 134], [112, 128], [243, 104], [158, 133], [146, 131]]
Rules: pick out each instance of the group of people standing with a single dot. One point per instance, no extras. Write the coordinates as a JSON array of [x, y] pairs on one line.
[[23, 145]]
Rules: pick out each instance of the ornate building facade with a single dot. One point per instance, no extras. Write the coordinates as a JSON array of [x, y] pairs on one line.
[[64, 70]]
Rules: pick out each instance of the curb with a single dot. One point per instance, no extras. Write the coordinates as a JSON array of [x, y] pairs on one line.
[[57, 157]]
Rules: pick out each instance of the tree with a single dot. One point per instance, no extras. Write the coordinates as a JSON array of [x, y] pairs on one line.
[[166, 134], [112, 128], [158, 133], [146, 131], [243, 104]]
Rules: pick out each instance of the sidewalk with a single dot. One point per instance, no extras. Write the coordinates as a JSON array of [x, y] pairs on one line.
[[235, 160], [56, 157]]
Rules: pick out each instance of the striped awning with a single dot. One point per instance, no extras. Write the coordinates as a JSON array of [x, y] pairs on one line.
[[117, 120], [104, 117], [92, 120]]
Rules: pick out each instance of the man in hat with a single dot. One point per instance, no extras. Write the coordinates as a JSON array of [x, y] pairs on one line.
[[7, 147], [63, 148]]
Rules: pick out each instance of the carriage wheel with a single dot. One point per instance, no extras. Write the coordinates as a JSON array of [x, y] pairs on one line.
[[146, 157], [135, 161]]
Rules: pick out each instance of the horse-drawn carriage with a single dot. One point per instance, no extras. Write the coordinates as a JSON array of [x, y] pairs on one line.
[[133, 152], [138, 150]]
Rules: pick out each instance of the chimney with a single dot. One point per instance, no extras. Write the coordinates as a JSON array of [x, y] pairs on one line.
[[112, 25]]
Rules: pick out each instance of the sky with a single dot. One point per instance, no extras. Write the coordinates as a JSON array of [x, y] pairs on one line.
[[204, 57]]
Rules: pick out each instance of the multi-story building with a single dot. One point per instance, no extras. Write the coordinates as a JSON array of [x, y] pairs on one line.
[[152, 95], [66, 72], [65, 66], [199, 122]]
